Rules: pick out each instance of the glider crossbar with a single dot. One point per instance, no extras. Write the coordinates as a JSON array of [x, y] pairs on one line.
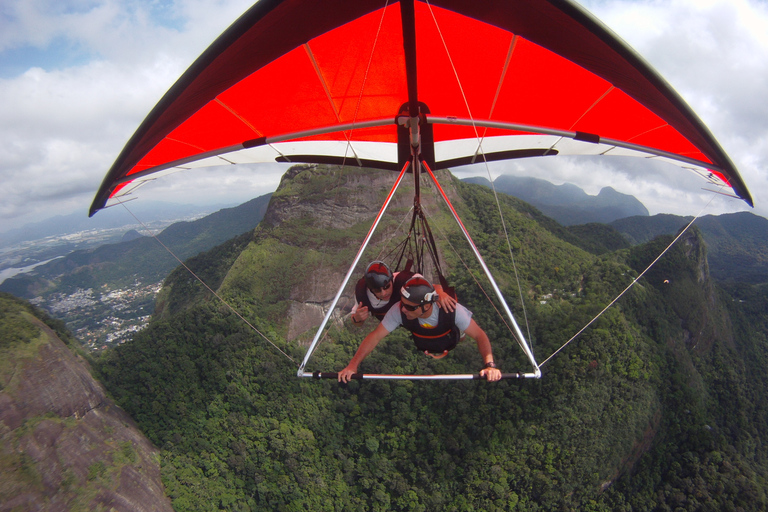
[[570, 135], [520, 338], [258, 142], [381, 376], [388, 121], [351, 269]]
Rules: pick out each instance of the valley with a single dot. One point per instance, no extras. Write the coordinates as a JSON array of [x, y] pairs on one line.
[[104, 318]]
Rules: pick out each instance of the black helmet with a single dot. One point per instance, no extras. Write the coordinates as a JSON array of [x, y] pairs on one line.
[[377, 275], [418, 290]]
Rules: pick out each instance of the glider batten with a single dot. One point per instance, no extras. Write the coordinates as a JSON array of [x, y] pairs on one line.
[[229, 59]]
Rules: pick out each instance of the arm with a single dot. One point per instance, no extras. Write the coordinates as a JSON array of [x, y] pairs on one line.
[[365, 348], [359, 314], [484, 347]]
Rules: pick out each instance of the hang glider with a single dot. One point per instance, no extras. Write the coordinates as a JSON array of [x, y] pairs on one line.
[[347, 81]]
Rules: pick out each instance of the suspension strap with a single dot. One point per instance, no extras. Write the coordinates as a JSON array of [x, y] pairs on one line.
[[411, 249]]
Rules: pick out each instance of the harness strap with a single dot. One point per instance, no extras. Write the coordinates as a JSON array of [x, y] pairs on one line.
[[433, 337]]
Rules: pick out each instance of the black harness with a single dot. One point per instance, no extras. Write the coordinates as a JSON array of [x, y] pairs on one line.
[[444, 336], [361, 294]]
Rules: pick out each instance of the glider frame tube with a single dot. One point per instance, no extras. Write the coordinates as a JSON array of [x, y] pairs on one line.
[[430, 119], [359, 254], [265, 141], [569, 135], [382, 376], [521, 339]]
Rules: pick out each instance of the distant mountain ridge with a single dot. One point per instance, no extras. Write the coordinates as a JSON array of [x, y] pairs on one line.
[[138, 258], [657, 406], [567, 204], [148, 211], [737, 243]]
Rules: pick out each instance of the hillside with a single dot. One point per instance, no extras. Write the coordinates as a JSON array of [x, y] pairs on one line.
[[567, 204], [107, 293], [737, 243], [63, 443], [657, 406], [140, 259], [111, 218]]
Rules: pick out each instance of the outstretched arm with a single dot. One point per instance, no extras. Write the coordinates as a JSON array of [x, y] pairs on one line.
[[484, 347], [365, 348]]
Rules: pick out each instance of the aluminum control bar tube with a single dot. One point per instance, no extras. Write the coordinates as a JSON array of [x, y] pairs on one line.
[[380, 376], [311, 349], [521, 339]]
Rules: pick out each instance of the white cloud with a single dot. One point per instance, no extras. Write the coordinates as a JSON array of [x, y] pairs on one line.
[[61, 129], [63, 121], [715, 54]]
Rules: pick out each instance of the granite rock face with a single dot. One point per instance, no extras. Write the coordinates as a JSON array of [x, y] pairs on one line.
[[64, 445], [329, 202]]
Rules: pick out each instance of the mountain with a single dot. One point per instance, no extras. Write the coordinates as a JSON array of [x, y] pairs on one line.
[[657, 405], [64, 445], [110, 218], [567, 204], [141, 259], [737, 243]]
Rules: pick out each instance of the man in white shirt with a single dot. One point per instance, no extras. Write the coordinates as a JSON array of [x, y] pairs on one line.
[[433, 329]]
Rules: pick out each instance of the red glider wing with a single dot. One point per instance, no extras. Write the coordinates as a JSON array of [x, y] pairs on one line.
[[325, 80]]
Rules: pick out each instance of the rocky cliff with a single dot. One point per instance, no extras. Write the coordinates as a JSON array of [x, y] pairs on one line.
[[64, 445], [313, 227]]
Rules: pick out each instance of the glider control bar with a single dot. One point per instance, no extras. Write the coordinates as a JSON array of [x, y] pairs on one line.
[[380, 376]]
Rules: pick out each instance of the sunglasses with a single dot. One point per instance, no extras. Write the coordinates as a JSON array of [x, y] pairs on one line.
[[412, 308], [385, 287]]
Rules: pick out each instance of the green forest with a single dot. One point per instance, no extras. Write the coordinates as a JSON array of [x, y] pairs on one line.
[[658, 405]]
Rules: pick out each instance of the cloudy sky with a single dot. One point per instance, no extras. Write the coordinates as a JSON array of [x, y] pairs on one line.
[[78, 76]]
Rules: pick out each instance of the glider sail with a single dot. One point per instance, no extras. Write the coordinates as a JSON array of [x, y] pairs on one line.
[[335, 81]]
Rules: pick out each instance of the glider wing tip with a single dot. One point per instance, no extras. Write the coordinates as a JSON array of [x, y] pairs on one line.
[[98, 204]]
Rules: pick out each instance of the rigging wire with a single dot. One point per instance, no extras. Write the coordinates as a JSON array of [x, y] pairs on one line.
[[348, 136], [385, 252], [477, 282], [233, 310], [634, 281], [482, 152]]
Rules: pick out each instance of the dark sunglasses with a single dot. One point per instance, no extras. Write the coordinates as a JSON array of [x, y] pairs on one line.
[[385, 287], [412, 308]]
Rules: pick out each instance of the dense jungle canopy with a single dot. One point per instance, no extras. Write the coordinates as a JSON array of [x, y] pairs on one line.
[[658, 406]]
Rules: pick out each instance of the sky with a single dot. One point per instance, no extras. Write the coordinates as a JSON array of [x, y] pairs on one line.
[[77, 77]]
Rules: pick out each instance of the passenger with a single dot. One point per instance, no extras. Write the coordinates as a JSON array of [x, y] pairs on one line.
[[378, 290], [433, 329]]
